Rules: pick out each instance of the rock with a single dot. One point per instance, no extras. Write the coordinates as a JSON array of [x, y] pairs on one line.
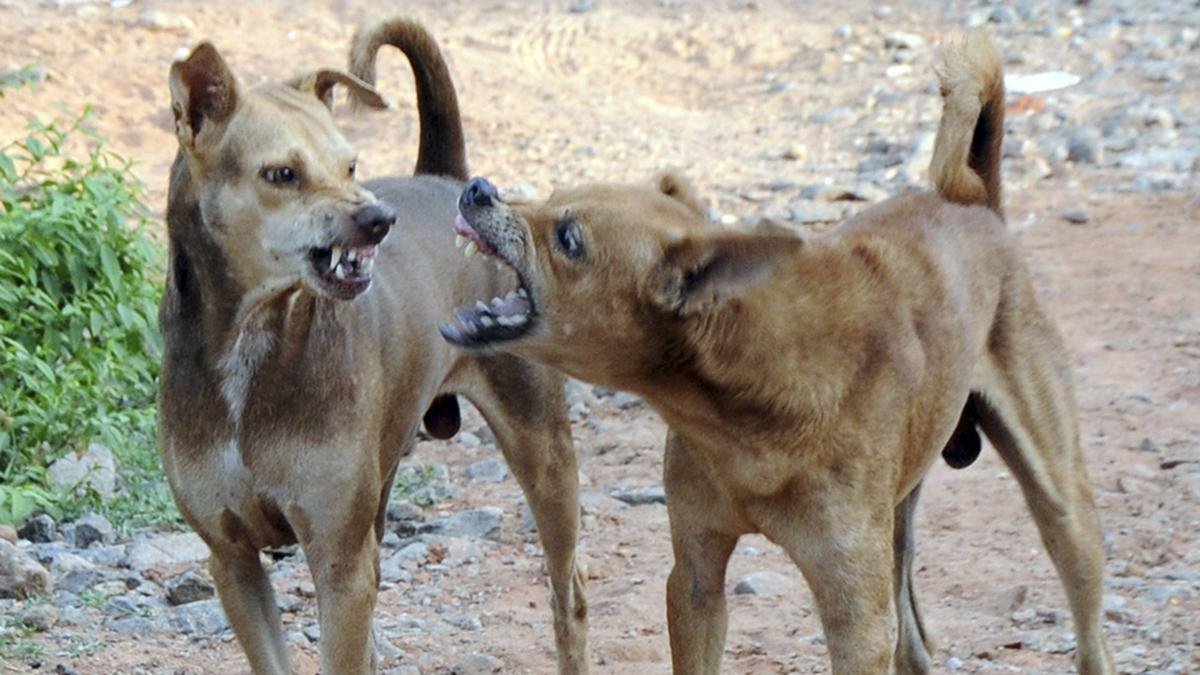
[[78, 580], [163, 550], [764, 584], [189, 587], [92, 528], [1013, 599], [478, 664], [313, 632], [469, 440], [899, 40], [1024, 615], [165, 21], [204, 618], [403, 511], [1114, 608], [289, 602], [8, 533], [1075, 216], [1084, 147], [653, 494], [581, 6], [483, 523], [40, 618], [20, 575], [38, 529], [577, 411], [94, 471], [807, 212], [465, 622], [488, 470], [954, 663], [134, 625]]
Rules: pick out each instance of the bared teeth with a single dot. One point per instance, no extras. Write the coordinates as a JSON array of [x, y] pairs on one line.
[[352, 254], [367, 266], [517, 319], [487, 321], [481, 306], [339, 272], [522, 292], [497, 303], [459, 241], [470, 250], [335, 256]]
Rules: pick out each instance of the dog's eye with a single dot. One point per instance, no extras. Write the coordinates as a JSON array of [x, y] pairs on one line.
[[352, 169], [279, 175], [570, 238]]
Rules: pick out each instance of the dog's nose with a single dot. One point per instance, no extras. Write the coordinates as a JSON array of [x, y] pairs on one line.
[[480, 192], [374, 221]]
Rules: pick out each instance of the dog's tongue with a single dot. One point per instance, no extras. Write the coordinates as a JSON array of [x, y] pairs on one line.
[[461, 226]]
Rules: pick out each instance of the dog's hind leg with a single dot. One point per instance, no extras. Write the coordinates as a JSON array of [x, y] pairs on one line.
[[696, 614], [1027, 409], [913, 642], [525, 406], [249, 602]]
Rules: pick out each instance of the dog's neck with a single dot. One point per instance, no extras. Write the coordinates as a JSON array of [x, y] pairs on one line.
[[211, 322]]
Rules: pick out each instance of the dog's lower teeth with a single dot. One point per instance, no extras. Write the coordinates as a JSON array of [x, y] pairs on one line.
[[512, 295], [481, 306], [470, 250], [368, 265], [518, 319], [504, 320], [487, 321], [459, 240], [339, 272], [497, 303]]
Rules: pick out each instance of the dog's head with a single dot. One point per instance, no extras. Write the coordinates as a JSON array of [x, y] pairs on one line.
[[610, 276], [274, 178]]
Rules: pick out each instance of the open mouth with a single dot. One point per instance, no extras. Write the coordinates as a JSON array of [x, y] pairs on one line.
[[344, 270], [497, 320]]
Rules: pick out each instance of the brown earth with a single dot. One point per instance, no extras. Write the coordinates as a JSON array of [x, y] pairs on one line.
[[732, 92]]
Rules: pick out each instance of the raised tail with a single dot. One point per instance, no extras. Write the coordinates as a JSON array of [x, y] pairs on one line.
[[966, 155], [442, 150]]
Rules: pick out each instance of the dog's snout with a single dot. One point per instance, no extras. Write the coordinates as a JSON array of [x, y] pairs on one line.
[[480, 192], [374, 221]]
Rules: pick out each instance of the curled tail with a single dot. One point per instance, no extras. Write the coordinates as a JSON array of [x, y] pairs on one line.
[[442, 151], [966, 155]]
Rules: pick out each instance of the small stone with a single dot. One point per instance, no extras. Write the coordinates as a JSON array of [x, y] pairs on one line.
[[189, 587], [40, 618], [794, 153], [478, 664], [38, 529], [289, 602], [164, 550], [1148, 445], [469, 440], [577, 411], [807, 212], [165, 21], [900, 40], [1114, 608], [20, 575], [92, 528], [1013, 599], [403, 511], [1084, 147], [1024, 615], [954, 663], [313, 632], [483, 523], [1075, 216], [9, 533], [582, 6], [653, 494], [488, 470], [465, 622], [763, 584], [201, 619]]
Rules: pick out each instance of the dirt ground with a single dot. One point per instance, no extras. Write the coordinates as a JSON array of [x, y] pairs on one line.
[[757, 102]]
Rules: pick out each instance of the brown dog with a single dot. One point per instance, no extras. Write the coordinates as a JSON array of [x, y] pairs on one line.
[[810, 383], [301, 353]]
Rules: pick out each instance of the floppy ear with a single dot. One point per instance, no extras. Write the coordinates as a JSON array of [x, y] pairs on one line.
[[675, 186], [321, 83], [700, 272], [204, 94]]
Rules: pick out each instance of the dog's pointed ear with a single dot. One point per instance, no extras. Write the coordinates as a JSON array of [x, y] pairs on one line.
[[321, 83], [204, 95], [674, 185], [701, 271]]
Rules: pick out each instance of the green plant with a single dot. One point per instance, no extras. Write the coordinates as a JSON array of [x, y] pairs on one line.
[[15, 79], [79, 285]]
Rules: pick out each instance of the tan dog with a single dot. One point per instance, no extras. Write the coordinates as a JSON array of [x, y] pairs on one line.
[[809, 384], [301, 350]]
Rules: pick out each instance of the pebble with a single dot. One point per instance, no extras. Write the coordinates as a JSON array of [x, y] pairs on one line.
[[165, 21], [189, 587], [20, 575], [765, 584], [478, 664], [39, 529], [92, 528], [204, 618], [469, 440], [490, 470], [1075, 216], [482, 523], [164, 550], [653, 494], [1084, 147], [40, 618], [93, 471], [9, 533]]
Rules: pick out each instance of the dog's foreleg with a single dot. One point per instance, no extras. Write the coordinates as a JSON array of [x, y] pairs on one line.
[[344, 560], [696, 613], [842, 541], [249, 602]]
